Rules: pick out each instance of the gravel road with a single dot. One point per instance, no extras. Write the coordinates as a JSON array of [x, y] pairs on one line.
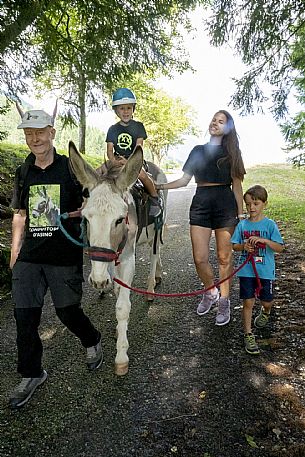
[[191, 390]]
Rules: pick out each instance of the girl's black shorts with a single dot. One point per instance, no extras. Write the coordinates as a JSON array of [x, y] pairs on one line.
[[214, 207]]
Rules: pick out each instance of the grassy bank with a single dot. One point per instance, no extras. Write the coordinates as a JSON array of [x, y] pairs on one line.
[[286, 190], [11, 155]]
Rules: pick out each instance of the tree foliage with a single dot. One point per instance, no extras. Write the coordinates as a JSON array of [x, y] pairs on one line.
[[263, 33], [294, 128], [167, 120], [10, 119], [82, 48]]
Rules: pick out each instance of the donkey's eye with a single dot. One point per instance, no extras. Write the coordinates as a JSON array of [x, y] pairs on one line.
[[119, 221]]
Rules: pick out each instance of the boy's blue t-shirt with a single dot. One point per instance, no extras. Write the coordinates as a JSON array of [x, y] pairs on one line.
[[264, 257]]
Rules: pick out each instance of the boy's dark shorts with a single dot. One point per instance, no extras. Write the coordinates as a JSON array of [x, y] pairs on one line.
[[31, 281], [214, 207], [248, 286]]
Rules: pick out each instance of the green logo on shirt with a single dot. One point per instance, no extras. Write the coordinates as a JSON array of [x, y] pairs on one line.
[[125, 141]]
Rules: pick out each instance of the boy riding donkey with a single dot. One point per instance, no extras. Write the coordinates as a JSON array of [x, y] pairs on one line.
[[124, 136]]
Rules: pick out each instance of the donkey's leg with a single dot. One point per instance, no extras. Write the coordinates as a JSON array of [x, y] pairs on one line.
[[125, 272]]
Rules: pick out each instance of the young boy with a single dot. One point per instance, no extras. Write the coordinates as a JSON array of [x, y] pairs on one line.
[[259, 236], [125, 135]]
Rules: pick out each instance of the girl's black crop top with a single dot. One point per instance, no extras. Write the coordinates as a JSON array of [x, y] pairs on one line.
[[205, 165]]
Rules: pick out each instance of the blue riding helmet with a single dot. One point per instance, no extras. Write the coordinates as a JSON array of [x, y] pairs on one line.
[[123, 96]]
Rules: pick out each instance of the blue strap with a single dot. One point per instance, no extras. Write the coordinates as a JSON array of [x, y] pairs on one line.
[[64, 231]]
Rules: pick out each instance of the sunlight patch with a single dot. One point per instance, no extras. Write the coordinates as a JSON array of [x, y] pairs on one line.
[[278, 370], [257, 380], [48, 334]]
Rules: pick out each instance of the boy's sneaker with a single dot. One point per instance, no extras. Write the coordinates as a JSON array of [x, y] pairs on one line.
[[223, 314], [155, 207], [23, 392], [94, 357], [250, 344], [262, 319], [207, 301]]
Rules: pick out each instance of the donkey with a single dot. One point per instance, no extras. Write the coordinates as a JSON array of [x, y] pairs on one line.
[[45, 206], [112, 226]]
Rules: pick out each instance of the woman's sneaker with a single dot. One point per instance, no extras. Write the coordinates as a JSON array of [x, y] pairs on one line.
[[223, 313], [207, 301], [262, 319], [250, 344], [24, 391]]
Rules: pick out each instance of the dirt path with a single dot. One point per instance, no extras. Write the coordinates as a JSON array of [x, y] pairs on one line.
[[191, 390]]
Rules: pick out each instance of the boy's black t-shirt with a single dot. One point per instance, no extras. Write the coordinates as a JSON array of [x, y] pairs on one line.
[[124, 137], [209, 163], [44, 194]]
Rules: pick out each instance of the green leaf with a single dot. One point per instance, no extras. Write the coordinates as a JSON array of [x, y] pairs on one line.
[[251, 441]]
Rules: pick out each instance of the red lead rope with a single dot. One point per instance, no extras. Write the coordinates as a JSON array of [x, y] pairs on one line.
[[197, 292]]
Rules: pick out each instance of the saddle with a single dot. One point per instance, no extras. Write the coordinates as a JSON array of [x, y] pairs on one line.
[[143, 203]]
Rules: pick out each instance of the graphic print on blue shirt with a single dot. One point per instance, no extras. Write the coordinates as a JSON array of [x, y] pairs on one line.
[[259, 253]]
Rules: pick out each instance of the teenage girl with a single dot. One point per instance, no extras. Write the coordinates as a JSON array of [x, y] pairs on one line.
[[217, 205]]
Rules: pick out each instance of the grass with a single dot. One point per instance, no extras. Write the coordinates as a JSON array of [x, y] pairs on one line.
[[286, 195]]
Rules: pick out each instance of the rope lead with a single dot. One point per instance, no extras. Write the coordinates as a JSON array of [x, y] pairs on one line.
[[196, 292]]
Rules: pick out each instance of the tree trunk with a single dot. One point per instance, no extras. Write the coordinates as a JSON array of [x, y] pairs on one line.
[[82, 114]]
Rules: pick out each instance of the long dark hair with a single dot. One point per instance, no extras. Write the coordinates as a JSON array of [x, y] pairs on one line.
[[230, 143]]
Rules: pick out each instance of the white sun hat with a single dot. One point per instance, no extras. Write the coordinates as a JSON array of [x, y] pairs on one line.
[[36, 119]]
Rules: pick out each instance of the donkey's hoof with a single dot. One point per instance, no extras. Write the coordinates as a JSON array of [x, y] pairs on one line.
[[149, 298], [121, 369]]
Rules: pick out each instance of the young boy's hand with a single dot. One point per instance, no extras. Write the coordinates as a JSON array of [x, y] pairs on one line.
[[249, 247], [119, 160], [257, 241]]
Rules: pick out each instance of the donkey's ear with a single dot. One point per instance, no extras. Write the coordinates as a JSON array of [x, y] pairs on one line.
[[84, 173], [130, 172], [19, 109]]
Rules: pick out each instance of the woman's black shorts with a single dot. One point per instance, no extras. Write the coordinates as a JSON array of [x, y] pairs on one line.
[[214, 207]]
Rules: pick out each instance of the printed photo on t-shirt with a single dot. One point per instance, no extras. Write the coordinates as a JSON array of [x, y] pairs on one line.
[[44, 205]]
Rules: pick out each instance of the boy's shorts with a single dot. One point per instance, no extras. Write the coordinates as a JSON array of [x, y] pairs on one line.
[[248, 286]]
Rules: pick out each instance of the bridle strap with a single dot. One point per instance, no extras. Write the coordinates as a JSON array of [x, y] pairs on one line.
[[94, 252], [106, 255]]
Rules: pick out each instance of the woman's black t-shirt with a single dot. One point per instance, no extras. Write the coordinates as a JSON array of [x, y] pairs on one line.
[[209, 163]]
